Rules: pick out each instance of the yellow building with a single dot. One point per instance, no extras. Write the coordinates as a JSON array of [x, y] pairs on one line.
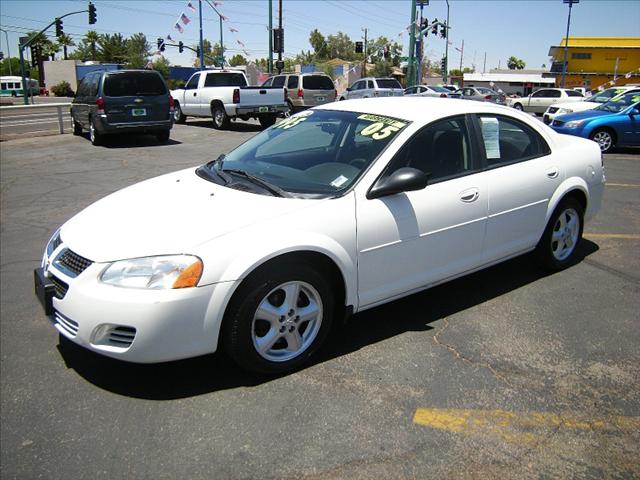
[[597, 62]]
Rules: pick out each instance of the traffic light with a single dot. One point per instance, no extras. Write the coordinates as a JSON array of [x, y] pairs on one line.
[[423, 26], [278, 40], [359, 47], [443, 30], [443, 66], [198, 51], [161, 44], [92, 13], [1, 55], [59, 31], [180, 47], [434, 28]]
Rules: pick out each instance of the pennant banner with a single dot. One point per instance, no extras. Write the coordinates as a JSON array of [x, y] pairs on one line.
[[178, 27], [185, 19], [191, 7]]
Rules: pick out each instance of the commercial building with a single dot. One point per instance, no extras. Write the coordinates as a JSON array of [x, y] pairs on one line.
[[597, 62], [518, 82]]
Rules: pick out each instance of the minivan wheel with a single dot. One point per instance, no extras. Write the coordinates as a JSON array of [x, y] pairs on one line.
[[278, 318], [163, 136], [219, 116], [94, 135], [557, 247], [178, 116]]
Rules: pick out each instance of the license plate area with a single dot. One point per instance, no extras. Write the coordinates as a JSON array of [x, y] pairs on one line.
[[263, 109], [138, 112], [320, 99], [44, 290]]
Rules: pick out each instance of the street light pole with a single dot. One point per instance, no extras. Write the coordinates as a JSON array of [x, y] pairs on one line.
[[8, 51], [411, 68], [566, 41], [446, 49]]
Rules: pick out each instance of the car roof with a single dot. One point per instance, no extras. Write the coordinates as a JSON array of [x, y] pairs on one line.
[[417, 108]]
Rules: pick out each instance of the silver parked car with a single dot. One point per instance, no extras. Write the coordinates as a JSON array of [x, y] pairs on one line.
[[304, 90], [482, 94], [373, 87], [427, 91]]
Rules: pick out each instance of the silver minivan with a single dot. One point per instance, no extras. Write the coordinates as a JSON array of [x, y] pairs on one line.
[[305, 90], [373, 87]]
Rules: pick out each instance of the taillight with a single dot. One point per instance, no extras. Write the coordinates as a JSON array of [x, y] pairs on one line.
[[100, 105], [443, 95], [300, 93], [170, 102], [236, 95], [488, 97]]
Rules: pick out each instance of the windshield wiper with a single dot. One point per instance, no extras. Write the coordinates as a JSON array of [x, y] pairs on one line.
[[273, 189]]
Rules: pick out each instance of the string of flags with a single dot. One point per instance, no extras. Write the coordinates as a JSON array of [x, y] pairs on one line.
[[183, 20], [613, 82]]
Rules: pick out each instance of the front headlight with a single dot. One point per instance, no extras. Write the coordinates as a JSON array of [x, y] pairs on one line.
[[156, 273], [574, 124], [564, 110], [54, 242]]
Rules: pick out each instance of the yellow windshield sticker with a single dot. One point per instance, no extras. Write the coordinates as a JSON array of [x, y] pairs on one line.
[[381, 127], [287, 123], [635, 99]]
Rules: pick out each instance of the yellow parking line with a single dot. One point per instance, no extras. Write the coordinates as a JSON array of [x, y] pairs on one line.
[[631, 185], [624, 236], [517, 427]]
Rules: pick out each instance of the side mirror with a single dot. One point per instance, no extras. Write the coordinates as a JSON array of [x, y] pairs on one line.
[[348, 89], [404, 179]]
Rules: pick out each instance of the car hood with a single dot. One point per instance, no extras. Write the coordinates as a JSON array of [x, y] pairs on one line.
[[170, 214], [567, 117], [577, 106]]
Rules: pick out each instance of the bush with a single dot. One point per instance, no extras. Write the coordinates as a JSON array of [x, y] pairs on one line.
[[175, 84], [62, 89]]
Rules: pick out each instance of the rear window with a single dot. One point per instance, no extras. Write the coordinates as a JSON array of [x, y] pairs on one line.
[[573, 93], [225, 80], [388, 83], [317, 82], [133, 84]]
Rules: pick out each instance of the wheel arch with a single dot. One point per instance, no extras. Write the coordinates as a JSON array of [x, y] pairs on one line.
[[572, 187]]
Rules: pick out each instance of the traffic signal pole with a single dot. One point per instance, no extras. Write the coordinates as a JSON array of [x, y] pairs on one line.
[[201, 40], [270, 69], [411, 67]]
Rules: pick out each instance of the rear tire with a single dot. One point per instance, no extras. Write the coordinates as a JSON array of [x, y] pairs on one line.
[[94, 135], [77, 128], [557, 247], [267, 120], [220, 118], [178, 116], [278, 318]]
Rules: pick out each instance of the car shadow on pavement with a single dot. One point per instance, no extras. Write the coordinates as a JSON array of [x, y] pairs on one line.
[[211, 373], [239, 126], [133, 140]]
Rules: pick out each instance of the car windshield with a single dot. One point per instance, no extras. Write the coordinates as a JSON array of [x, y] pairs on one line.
[[314, 154], [620, 103], [388, 83], [130, 84], [486, 91]]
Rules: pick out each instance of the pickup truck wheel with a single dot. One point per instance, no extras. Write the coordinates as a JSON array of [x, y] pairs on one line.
[[178, 116], [220, 117], [267, 120]]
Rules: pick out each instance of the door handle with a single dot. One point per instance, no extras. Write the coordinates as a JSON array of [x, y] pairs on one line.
[[553, 172], [470, 195], [195, 93]]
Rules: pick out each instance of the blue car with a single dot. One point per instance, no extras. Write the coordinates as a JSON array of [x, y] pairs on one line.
[[612, 124]]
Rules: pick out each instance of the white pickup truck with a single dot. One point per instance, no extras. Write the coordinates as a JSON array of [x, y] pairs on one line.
[[224, 95]]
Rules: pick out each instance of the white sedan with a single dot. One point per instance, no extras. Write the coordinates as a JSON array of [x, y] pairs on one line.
[[332, 211]]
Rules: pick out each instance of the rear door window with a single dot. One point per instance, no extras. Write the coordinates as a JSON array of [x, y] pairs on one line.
[[134, 84], [317, 82], [292, 82]]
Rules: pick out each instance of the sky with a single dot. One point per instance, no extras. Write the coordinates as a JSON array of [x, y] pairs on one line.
[[525, 28]]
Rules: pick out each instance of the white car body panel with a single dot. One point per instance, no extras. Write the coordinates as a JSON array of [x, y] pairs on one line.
[[384, 248]]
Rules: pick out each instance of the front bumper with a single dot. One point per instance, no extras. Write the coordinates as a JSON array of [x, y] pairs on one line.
[[135, 325]]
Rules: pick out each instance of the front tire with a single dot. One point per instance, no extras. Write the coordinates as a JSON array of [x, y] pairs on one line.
[[557, 247], [94, 135], [518, 106], [604, 138], [278, 318], [178, 116], [220, 118]]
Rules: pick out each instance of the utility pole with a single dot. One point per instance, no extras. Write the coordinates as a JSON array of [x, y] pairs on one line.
[[484, 65], [201, 40], [270, 69], [411, 68], [420, 48], [566, 41], [364, 64], [446, 48], [6, 36], [461, 55], [281, 38]]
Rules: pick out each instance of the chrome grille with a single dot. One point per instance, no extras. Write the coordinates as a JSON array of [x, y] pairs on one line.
[[66, 324], [60, 287], [72, 262]]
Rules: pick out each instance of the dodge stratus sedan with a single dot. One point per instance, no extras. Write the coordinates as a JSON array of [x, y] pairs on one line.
[[331, 211]]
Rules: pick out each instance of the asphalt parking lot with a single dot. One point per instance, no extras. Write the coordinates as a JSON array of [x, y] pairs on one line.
[[508, 373]]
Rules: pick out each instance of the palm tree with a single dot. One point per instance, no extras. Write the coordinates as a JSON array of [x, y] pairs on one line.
[[92, 37], [65, 41]]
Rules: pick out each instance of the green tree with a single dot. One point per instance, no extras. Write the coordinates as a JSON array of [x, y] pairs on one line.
[[112, 48], [377, 48], [162, 65], [91, 38], [319, 44], [340, 46], [237, 60], [14, 62], [65, 42], [207, 49], [138, 51], [515, 63]]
